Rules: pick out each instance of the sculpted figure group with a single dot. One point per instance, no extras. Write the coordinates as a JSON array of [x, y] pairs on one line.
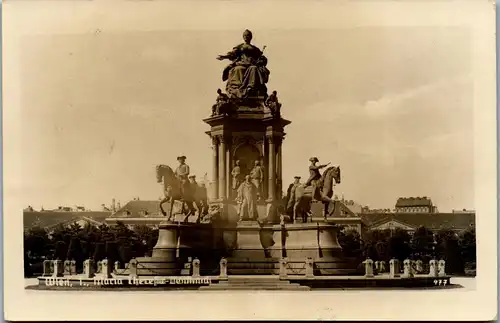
[[318, 187], [247, 73], [246, 77], [180, 186]]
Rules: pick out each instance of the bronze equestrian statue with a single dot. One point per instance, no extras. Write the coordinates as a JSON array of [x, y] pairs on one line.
[[175, 190], [322, 190]]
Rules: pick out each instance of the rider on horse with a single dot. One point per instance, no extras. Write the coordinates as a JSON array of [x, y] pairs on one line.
[[182, 174], [315, 176]]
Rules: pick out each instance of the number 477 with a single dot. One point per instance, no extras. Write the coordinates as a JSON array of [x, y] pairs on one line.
[[439, 282]]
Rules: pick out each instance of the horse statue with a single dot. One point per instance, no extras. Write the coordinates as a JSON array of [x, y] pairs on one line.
[[302, 195], [178, 203]]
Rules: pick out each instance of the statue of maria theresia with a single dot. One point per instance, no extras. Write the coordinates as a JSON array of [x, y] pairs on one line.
[[247, 74]]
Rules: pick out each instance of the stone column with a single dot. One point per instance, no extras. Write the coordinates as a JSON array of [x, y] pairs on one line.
[[222, 168], [279, 170], [215, 168], [228, 170], [272, 169]]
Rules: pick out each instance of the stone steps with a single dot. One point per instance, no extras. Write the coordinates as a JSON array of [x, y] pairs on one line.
[[255, 283]]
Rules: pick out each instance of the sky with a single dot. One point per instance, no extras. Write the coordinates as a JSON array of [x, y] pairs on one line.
[[392, 106]]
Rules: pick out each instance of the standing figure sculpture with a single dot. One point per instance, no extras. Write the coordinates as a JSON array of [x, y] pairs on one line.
[[247, 197], [257, 176], [237, 176], [247, 75], [290, 194]]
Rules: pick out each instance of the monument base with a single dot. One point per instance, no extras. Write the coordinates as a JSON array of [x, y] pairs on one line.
[[254, 250]]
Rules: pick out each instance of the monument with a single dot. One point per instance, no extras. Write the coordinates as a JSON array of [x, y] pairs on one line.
[[247, 222], [239, 232]]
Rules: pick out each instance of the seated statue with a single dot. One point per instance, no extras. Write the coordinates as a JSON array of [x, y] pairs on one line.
[[247, 75]]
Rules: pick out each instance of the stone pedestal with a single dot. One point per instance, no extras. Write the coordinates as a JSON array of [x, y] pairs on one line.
[[407, 268], [48, 267], [58, 268], [394, 268], [441, 268], [163, 261], [433, 268], [88, 268], [368, 263], [67, 267], [257, 249]]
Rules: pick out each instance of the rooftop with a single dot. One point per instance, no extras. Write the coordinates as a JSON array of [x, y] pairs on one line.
[[413, 201]]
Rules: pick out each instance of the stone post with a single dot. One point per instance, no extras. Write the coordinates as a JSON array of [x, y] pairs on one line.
[[67, 269], [196, 268], [187, 270], [383, 267], [88, 268], [222, 168], [419, 266], [132, 267], [377, 267], [283, 271], [309, 267], [442, 268], [272, 169], [215, 168], [72, 267], [394, 268], [433, 270], [58, 268], [117, 266], [223, 269], [106, 269], [368, 267], [99, 267], [47, 268], [407, 268]]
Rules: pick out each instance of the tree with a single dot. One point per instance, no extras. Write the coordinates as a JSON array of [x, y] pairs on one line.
[[61, 250], [36, 243], [99, 252], [145, 240], [350, 241], [76, 252], [399, 245], [422, 243], [468, 246], [375, 244], [111, 251], [448, 248]]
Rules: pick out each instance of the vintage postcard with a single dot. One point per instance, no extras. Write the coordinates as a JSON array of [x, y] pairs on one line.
[[249, 160]]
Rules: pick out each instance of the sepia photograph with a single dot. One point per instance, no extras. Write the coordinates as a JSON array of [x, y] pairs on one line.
[[250, 160]]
